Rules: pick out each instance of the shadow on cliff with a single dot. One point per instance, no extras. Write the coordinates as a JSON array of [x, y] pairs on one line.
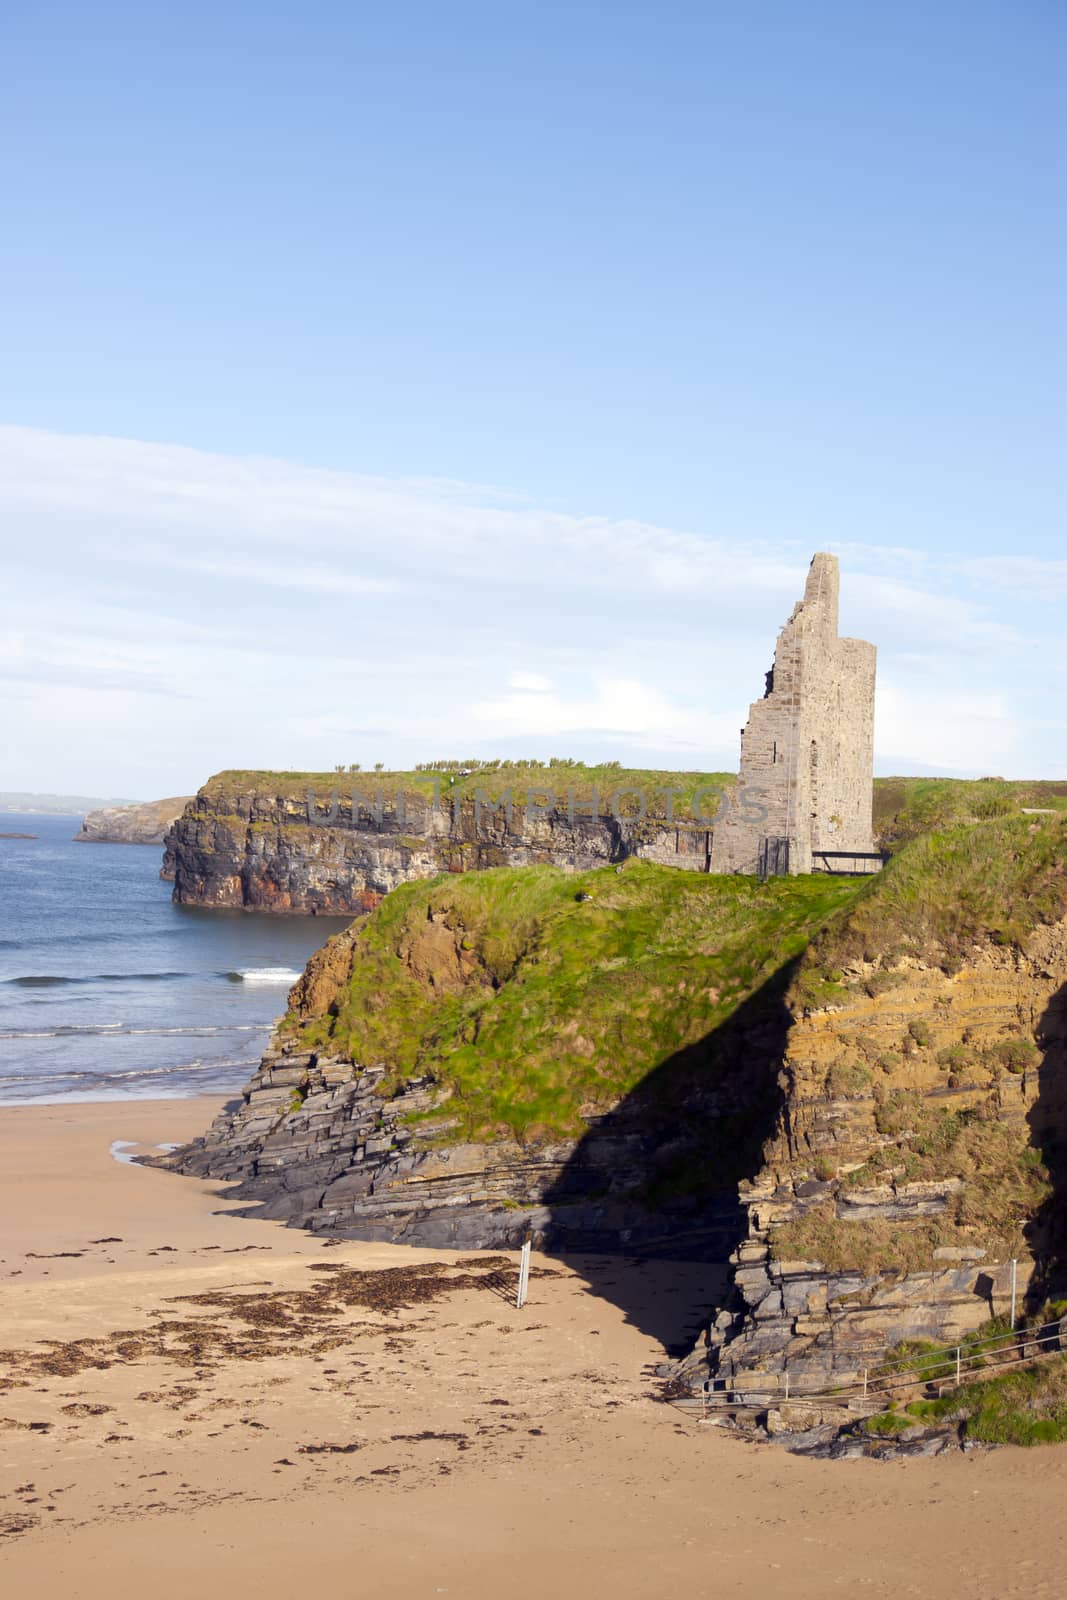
[[656, 1178], [1046, 1233]]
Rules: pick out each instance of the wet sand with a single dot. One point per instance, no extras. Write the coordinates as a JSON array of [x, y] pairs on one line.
[[196, 1403]]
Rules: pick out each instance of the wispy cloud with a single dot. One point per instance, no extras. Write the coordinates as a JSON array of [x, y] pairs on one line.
[[952, 732], [1041, 580], [623, 706], [279, 614]]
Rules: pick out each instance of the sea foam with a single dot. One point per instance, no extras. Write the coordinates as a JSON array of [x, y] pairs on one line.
[[265, 975]]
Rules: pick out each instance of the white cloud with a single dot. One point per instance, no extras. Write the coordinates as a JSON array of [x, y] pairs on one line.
[[167, 611], [1041, 580], [531, 682], [961, 733], [621, 706], [929, 618]]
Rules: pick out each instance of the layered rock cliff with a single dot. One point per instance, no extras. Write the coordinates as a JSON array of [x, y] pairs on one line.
[[337, 843], [852, 1095], [306, 843], [147, 823], [588, 1057], [917, 1153]]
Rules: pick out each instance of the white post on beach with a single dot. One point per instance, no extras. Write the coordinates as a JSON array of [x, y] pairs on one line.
[[1014, 1277], [524, 1275]]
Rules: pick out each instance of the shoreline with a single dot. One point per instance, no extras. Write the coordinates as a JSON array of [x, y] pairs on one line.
[[201, 1402], [121, 1097]]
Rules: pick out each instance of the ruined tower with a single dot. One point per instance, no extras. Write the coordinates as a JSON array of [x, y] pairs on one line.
[[807, 750]]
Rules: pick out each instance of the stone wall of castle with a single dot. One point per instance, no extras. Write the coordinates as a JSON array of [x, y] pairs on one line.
[[807, 750]]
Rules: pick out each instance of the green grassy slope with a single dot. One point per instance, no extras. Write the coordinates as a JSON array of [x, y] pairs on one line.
[[989, 880], [539, 1007], [905, 808]]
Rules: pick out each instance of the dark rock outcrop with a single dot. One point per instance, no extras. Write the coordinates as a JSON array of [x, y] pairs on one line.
[[313, 1143]]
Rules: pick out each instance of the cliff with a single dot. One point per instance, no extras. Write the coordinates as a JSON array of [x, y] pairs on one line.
[[337, 843], [324, 843], [147, 823], [850, 1094], [922, 1138], [584, 1055]]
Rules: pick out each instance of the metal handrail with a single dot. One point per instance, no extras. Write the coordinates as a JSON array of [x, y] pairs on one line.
[[933, 1356], [875, 1384]]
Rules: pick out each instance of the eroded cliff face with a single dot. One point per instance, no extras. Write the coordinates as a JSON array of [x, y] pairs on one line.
[[340, 1143], [275, 852], [864, 1134], [917, 1245], [256, 840], [918, 1151], [904, 1168], [314, 1144]]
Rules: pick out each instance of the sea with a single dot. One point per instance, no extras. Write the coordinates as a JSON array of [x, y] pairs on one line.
[[109, 991]]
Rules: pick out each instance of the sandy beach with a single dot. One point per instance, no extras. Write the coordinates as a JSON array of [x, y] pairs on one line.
[[198, 1403]]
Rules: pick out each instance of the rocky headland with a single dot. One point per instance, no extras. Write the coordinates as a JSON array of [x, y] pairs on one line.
[[146, 823], [321, 843], [550, 996], [850, 1095], [317, 843]]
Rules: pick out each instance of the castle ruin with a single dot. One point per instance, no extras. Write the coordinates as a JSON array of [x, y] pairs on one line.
[[807, 751]]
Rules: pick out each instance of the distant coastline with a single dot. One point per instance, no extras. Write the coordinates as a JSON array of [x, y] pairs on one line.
[[53, 805]]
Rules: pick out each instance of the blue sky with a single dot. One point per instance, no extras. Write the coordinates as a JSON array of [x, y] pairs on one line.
[[388, 381]]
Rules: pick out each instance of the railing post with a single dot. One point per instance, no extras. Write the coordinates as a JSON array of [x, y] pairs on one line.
[[1014, 1278], [865, 1383], [958, 1353], [787, 1383]]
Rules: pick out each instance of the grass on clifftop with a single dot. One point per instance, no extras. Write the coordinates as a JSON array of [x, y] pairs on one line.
[[943, 892], [539, 1007], [540, 783], [904, 808]]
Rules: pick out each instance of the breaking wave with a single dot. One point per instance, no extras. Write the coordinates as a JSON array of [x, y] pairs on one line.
[[264, 975], [53, 980], [49, 980], [114, 1030]]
